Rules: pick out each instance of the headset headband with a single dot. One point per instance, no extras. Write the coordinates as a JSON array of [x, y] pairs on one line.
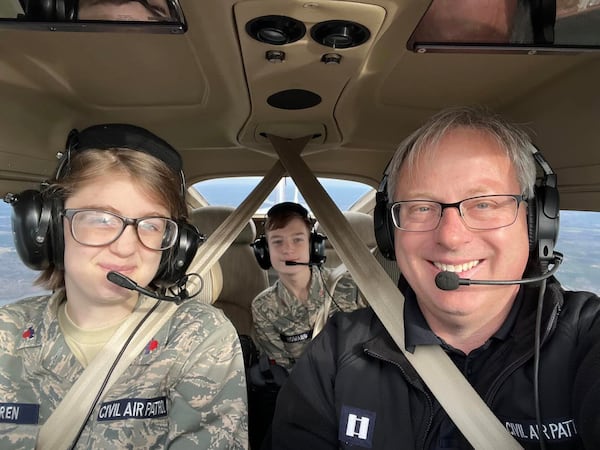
[[118, 135], [287, 207]]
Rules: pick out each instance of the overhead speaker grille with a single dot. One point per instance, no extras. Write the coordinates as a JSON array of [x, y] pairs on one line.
[[276, 30], [340, 33]]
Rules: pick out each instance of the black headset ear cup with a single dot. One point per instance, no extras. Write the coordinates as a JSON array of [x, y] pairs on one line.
[[543, 217], [31, 242], [317, 248], [41, 9], [383, 225], [37, 229], [178, 258], [261, 252]]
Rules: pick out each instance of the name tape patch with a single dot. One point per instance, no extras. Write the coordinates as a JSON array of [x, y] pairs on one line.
[[20, 413], [554, 430], [306, 335], [133, 408]]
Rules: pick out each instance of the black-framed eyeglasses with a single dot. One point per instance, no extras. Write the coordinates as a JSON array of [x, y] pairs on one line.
[[96, 228], [484, 212]]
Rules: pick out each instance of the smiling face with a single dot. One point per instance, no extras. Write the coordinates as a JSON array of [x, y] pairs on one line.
[[465, 163], [86, 267]]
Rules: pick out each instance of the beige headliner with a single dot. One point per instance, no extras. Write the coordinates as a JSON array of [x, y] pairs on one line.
[[205, 92]]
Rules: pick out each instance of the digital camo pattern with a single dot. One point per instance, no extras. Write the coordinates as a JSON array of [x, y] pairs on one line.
[[283, 324], [185, 390]]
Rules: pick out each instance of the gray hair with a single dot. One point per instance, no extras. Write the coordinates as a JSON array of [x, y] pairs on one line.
[[515, 142]]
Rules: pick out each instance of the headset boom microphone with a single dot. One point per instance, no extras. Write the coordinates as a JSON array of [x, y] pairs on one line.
[[121, 280], [449, 281], [296, 263]]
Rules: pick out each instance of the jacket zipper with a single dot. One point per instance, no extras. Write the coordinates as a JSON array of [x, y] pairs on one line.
[[427, 396], [495, 386]]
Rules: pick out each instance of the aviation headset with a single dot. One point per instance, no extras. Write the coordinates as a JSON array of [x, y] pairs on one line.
[[317, 240], [50, 10], [37, 219], [542, 216]]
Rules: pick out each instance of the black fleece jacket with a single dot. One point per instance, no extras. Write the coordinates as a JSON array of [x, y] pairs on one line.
[[354, 389]]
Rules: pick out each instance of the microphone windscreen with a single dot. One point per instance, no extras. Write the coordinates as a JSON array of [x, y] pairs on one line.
[[296, 263], [447, 281]]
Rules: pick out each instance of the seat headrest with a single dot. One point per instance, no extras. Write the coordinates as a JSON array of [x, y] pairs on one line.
[[208, 218], [212, 285], [361, 223]]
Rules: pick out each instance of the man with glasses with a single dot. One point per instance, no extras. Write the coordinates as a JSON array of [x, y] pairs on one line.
[[462, 202]]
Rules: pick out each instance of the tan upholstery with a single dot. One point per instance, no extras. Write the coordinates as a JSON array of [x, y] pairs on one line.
[[243, 279], [212, 285], [362, 224]]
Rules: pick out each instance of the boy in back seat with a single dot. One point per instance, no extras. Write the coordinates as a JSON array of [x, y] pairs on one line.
[[285, 314]]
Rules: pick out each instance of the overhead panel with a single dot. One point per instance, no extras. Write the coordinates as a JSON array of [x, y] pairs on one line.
[[298, 57]]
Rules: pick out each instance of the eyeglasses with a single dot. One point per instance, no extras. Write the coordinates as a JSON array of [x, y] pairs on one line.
[[485, 212], [95, 228]]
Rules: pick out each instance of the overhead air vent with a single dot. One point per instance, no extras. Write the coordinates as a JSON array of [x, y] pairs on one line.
[[340, 33], [276, 30]]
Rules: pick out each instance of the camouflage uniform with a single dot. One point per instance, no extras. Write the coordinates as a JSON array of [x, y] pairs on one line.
[[283, 324], [185, 390]]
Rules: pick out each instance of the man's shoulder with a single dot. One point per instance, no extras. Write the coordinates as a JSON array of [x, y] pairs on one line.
[[27, 308], [357, 325], [345, 336], [578, 303], [582, 296]]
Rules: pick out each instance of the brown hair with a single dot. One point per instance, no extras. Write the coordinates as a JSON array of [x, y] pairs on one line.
[[282, 213], [154, 176]]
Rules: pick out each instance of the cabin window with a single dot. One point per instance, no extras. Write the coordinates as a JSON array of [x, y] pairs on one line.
[[232, 191], [16, 278], [579, 242]]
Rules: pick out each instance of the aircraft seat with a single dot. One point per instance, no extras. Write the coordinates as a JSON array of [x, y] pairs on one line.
[[212, 285], [362, 224], [243, 278]]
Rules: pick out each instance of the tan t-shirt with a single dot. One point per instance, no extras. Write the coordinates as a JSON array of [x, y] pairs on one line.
[[85, 344]]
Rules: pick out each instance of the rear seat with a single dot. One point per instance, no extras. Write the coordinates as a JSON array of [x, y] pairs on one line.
[[243, 279], [212, 285], [362, 224]]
